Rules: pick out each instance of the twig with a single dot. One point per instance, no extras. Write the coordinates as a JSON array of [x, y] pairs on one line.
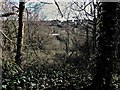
[[7, 37]]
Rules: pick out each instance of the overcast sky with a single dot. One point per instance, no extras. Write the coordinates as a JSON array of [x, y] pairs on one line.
[[50, 11], [57, 0], [51, 0]]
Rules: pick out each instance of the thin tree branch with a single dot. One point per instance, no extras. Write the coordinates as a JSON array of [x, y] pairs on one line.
[[7, 37], [8, 14], [58, 8]]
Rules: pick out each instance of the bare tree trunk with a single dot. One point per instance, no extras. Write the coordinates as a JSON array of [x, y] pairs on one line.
[[1, 55], [18, 57], [94, 29]]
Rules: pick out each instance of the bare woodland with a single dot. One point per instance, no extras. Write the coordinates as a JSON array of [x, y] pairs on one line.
[[79, 54]]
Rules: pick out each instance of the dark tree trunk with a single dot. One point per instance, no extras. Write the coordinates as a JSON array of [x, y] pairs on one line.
[[105, 47], [18, 57], [94, 29], [87, 43]]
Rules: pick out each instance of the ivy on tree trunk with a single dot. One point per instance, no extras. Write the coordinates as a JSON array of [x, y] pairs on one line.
[[105, 47]]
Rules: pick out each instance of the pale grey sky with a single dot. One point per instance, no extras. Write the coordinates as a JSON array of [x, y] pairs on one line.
[[50, 11]]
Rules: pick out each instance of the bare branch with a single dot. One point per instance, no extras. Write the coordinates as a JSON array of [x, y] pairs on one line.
[[58, 8], [83, 9], [7, 37], [7, 14]]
